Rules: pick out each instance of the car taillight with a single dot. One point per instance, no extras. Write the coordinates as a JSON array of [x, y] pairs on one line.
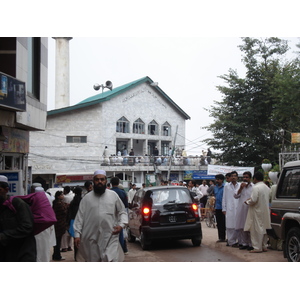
[[146, 213], [195, 209]]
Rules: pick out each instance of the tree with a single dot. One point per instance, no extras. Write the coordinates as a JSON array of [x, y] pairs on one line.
[[254, 109]]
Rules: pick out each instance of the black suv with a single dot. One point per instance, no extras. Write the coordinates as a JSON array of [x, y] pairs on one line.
[[164, 212], [285, 211]]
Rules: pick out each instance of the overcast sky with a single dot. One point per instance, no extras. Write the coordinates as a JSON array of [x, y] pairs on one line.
[[187, 69]]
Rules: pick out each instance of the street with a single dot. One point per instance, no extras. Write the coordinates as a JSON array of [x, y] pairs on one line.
[[183, 251]]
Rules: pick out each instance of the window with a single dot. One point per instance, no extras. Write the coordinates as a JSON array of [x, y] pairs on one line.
[[166, 129], [153, 128], [123, 125], [76, 139], [138, 127], [34, 58], [8, 55], [165, 147], [290, 184]]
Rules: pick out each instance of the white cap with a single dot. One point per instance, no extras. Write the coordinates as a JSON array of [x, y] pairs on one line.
[[36, 184], [101, 172], [3, 178], [39, 189]]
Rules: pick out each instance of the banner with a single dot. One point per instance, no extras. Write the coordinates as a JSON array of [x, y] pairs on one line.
[[197, 175], [216, 169]]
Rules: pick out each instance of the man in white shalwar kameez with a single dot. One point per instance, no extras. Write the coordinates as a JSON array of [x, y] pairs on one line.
[[99, 220], [258, 217], [242, 195], [229, 208], [45, 240]]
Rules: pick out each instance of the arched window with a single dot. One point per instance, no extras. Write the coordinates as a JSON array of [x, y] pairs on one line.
[[123, 125], [153, 128], [138, 127], [166, 129]]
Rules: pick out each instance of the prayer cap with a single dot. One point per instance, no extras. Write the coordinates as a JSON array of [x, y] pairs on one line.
[[39, 189], [36, 184], [101, 172], [3, 178]]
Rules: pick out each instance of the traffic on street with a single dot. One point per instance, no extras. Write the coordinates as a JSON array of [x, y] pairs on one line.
[[183, 251]]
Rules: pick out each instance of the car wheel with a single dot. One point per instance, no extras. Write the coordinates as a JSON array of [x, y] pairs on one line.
[[293, 244], [130, 238], [145, 244], [196, 241]]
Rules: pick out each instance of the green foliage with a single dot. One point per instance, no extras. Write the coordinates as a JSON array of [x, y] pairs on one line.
[[248, 121]]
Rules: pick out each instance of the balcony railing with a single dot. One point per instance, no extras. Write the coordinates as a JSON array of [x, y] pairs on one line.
[[195, 161]]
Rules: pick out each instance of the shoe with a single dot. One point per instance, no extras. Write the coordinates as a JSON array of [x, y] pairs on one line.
[[255, 251], [220, 241], [126, 253], [70, 249], [243, 247], [250, 248], [236, 245], [64, 250]]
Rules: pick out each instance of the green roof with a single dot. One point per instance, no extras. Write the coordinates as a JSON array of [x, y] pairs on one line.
[[107, 95]]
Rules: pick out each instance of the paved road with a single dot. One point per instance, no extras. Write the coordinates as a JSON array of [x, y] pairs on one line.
[[183, 251]]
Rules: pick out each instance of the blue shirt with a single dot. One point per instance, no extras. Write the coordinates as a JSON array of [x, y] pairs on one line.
[[218, 191]]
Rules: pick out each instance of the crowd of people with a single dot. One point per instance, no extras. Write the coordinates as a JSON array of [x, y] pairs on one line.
[[95, 228], [242, 211]]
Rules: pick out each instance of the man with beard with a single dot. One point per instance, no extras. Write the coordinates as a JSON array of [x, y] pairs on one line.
[[99, 220], [17, 242], [243, 194]]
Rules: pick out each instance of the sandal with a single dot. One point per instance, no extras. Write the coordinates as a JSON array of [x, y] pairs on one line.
[[255, 251]]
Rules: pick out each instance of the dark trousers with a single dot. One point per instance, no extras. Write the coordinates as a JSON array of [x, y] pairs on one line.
[[56, 249], [220, 217]]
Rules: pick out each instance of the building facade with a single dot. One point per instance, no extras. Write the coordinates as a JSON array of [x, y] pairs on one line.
[[23, 104], [103, 130]]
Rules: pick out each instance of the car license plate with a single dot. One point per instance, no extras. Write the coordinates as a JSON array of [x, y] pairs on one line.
[[172, 219]]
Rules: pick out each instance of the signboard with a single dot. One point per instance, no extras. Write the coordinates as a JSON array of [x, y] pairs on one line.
[[16, 140], [71, 178], [12, 93], [217, 169], [295, 138], [15, 182], [197, 175]]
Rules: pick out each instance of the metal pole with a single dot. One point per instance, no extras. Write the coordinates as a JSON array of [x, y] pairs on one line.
[[170, 162]]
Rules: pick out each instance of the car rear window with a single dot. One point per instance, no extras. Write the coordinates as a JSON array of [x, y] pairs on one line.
[[289, 186], [170, 196]]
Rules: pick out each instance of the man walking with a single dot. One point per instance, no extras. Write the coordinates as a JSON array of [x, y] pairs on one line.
[[115, 181], [99, 220], [258, 217]]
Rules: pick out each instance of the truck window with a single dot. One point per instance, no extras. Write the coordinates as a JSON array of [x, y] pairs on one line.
[[289, 186]]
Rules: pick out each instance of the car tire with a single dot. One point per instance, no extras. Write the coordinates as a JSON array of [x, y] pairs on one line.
[[196, 241], [145, 244], [130, 237], [293, 245]]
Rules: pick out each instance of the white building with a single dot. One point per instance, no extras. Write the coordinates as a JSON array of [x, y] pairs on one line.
[[137, 115], [23, 104]]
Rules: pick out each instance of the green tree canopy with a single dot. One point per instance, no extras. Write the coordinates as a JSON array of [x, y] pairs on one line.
[[249, 119]]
